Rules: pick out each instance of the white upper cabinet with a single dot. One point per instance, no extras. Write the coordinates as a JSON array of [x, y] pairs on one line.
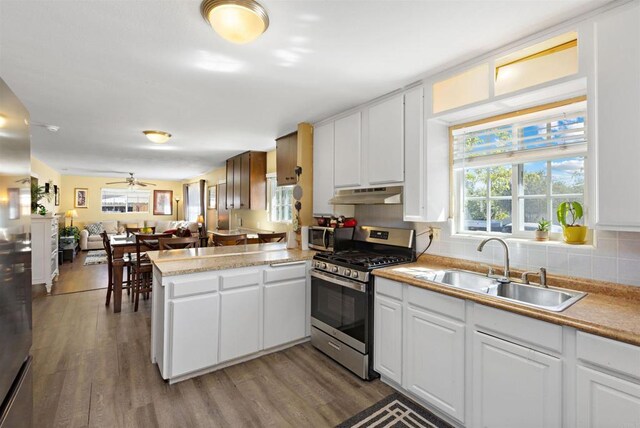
[[385, 148], [347, 149], [414, 155], [426, 161], [618, 111], [323, 169]]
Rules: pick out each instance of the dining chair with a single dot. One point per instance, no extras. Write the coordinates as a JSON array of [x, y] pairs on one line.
[[142, 269], [271, 237], [178, 243], [127, 263], [221, 240]]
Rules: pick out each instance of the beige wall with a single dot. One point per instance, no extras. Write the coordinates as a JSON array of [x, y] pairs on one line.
[[93, 211], [45, 173]]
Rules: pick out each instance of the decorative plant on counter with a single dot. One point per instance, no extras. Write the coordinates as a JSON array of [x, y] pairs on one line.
[[573, 233], [37, 194], [542, 232], [70, 231]]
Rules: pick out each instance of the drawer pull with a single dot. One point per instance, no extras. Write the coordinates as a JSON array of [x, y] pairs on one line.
[[333, 345]]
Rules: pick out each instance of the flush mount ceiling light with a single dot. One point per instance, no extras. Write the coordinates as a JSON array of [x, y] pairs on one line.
[[159, 137], [239, 21], [3, 120]]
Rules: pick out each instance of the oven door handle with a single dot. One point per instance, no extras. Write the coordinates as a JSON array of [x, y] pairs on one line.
[[325, 238], [358, 286]]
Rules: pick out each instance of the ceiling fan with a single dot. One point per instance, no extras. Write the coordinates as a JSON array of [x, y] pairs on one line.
[[132, 181]]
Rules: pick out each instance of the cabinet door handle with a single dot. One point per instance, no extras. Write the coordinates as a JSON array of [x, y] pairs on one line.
[[275, 265]]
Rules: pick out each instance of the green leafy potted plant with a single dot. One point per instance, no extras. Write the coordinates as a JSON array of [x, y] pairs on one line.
[[573, 233], [37, 194], [542, 232]]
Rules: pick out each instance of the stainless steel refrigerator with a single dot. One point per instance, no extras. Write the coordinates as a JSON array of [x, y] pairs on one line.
[[16, 393]]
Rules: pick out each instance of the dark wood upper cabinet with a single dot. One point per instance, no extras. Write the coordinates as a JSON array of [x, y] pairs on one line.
[[286, 159], [246, 181], [229, 185]]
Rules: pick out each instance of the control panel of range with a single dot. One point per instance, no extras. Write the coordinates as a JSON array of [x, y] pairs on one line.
[[341, 270]]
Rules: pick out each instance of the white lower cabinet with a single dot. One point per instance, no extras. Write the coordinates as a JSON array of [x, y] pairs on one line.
[[284, 312], [194, 326], [605, 400], [388, 337], [200, 321], [514, 386], [435, 360], [239, 322]]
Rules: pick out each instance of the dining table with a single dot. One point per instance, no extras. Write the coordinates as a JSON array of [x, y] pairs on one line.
[[121, 245]]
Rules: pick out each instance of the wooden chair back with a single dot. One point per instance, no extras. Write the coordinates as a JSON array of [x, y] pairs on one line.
[[220, 240], [148, 242], [107, 247], [271, 237], [178, 243], [132, 230]]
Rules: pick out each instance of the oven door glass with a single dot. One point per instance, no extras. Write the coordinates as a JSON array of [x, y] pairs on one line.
[[341, 308]]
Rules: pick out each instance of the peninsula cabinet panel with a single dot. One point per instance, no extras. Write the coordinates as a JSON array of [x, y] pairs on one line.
[[618, 110], [606, 401], [515, 386], [240, 322], [348, 145], [194, 333], [385, 150], [284, 312], [286, 159], [322, 169]]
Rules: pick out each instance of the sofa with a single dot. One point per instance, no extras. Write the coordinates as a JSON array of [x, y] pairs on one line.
[[93, 241]]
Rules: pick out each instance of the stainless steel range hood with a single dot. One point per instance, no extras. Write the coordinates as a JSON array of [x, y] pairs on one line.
[[373, 196]]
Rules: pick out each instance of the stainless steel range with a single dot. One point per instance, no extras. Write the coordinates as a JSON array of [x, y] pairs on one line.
[[342, 294]]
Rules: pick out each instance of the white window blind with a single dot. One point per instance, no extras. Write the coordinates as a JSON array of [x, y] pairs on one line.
[[560, 132], [125, 200]]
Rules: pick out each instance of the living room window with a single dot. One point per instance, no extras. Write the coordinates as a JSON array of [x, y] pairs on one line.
[[125, 200], [512, 171], [280, 200]]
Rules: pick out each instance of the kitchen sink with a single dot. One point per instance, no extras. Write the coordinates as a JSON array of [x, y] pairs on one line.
[[461, 279], [551, 298]]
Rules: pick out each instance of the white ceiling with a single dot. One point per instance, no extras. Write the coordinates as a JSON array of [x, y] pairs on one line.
[[105, 70]]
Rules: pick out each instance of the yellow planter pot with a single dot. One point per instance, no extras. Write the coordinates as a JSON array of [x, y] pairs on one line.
[[575, 234]]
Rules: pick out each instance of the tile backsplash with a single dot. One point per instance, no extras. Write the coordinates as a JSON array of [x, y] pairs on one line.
[[614, 258]]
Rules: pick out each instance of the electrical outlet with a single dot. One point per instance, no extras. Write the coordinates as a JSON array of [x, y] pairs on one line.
[[436, 233]]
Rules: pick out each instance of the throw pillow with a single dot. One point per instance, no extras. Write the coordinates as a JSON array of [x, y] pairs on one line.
[[183, 232], [94, 229], [171, 231]]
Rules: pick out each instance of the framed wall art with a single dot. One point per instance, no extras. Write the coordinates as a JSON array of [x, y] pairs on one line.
[[163, 202], [80, 197], [212, 197]]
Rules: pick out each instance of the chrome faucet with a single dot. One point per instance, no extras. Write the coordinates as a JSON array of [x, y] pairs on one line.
[[507, 272]]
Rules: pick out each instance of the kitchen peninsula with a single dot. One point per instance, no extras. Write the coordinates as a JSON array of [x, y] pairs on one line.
[[217, 306]]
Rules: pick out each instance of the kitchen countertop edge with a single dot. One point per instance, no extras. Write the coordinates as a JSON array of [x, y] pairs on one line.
[[609, 312]]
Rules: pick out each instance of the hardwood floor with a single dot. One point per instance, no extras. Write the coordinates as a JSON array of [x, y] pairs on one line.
[[76, 277], [92, 368]]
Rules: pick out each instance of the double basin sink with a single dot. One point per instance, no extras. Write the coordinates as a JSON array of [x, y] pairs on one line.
[[551, 298]]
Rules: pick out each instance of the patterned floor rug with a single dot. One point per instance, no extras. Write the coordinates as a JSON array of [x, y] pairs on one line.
[[96, 257], [395, 411]]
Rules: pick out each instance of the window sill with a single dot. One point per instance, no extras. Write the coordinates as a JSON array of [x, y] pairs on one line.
[[516, 240]]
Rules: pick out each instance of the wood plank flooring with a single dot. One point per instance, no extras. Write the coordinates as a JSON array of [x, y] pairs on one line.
[[92, 368], [75, 277]]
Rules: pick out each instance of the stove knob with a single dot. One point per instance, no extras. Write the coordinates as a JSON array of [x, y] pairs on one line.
[[347, 272], [334, 269], [354, 274], [322, 265]]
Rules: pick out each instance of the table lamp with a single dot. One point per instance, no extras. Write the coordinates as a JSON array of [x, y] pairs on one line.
[[200, 221], [71, 214]]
